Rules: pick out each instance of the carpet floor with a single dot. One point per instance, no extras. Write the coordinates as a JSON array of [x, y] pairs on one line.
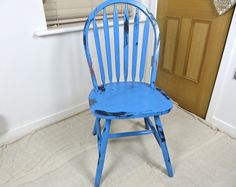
[[65, 155]]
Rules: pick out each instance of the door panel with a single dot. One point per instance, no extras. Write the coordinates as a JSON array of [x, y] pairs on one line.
[[192, 42], [172, 27], [197, 48]]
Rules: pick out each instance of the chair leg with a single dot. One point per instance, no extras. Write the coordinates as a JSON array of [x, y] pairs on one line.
[[99, 135], [102, 152], [146, 124], [160, 137], [163, 146], [97, 121]]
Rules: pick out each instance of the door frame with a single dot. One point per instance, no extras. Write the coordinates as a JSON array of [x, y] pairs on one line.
[[227, 62]]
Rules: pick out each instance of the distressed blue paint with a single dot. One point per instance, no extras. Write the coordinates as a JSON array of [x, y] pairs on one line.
[[125, 134], [144, 49], [150, 125], [98, 132], [89, 60], [116, 43], [129, 100], [126, 99], [126, 42], [160, 137], [99, 53], [102, 152], [92, 15], [146, 124], [95, 127], [135, 44], [155, 62], [107, 41], [163, 146]]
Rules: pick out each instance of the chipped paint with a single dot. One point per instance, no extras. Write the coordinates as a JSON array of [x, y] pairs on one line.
[[126, 30], [92, 101], [161, 134], [118, 114], [91, 70], [84, 40], [102, 88]]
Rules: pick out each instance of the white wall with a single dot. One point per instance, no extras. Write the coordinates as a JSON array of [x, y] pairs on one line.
[[42, 79], [222, 109]]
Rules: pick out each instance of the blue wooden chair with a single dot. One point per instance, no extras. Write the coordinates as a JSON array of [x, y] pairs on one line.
[[124, 99]]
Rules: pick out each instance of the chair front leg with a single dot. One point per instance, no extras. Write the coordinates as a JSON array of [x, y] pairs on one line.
[[163, 146], [160, 137], [102, 152]]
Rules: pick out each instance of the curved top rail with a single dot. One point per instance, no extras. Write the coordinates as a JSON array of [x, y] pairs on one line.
[[143, 9]]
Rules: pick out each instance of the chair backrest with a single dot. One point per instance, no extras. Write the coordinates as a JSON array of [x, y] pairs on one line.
[[150, 19]]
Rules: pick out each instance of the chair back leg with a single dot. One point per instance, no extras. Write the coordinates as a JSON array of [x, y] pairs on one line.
[[97, 121], [146, 124], [102, 151]]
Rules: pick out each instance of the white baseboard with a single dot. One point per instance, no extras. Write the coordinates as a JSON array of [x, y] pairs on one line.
[[224, 127], [13, 135]]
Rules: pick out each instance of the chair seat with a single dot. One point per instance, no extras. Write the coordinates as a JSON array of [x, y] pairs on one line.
[[128, 100]]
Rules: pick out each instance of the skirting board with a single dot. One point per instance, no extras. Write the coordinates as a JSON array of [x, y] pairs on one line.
[[15, 134], [224, 127], [215, 123]]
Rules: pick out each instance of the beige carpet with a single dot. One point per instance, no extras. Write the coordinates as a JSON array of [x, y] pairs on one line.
[[65, 155]]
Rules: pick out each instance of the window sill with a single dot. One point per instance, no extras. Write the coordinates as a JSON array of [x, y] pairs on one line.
[[72, 28], [59, 30]]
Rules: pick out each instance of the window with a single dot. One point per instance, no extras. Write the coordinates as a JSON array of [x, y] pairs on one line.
[[59, 12]]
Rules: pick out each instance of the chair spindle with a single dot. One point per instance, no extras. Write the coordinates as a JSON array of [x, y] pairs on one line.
[[107, 42], [135, 44], [99, 53], [144, 48], [116, 43], [155, 63], [126, 42]]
